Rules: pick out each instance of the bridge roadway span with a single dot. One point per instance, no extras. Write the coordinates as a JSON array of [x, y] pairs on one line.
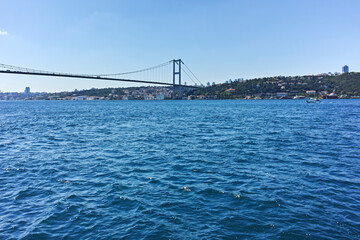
[[92, 77]]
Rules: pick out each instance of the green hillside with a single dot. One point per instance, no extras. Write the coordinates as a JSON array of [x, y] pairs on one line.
[[348, 84]]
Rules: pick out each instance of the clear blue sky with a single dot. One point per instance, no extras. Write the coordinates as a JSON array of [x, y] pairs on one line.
[[219, 40]]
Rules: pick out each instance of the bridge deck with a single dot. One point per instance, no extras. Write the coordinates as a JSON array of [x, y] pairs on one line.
[[92, 77]]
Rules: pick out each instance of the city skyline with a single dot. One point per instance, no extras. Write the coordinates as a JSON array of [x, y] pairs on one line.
[[220, 40]]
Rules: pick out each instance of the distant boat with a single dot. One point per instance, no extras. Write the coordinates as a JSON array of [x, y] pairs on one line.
[[313, 100], [299, 97], [330, 96]]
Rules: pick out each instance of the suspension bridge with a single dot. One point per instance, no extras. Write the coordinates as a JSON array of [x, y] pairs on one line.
[[173, 73]]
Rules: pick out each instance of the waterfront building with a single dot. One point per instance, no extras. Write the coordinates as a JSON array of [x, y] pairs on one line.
[[81, 98], [149, 97], [160, 97], [345, 69], [92, 98]]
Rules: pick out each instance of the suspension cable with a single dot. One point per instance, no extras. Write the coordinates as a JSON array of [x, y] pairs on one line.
[[191, 72], [141, 70], [188, 76]]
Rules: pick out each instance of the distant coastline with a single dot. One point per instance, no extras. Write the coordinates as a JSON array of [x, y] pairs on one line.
[[344, 86]]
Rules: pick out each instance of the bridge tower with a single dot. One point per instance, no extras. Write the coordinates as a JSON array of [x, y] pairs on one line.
[[177, 71]]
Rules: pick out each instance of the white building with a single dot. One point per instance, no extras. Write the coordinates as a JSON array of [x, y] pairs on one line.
[[81, 98], [311, 92], [149, 97]]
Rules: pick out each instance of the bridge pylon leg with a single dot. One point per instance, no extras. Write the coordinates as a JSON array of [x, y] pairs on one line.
[[177, 71]]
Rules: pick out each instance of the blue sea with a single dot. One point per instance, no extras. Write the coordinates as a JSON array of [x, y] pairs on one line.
[[232, 169]]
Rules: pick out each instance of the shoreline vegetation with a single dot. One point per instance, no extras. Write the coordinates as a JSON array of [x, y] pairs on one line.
[[345, 85]]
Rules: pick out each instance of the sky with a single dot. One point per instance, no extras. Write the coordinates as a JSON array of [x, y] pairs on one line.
[[217, 39]]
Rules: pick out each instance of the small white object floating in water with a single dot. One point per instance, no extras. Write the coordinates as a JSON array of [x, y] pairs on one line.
[[313, 100], [187, 189]]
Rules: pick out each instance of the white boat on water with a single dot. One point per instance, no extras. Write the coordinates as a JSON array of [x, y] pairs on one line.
[[313, 100]]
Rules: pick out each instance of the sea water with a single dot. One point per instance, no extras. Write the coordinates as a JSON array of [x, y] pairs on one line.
[[267, 169]]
